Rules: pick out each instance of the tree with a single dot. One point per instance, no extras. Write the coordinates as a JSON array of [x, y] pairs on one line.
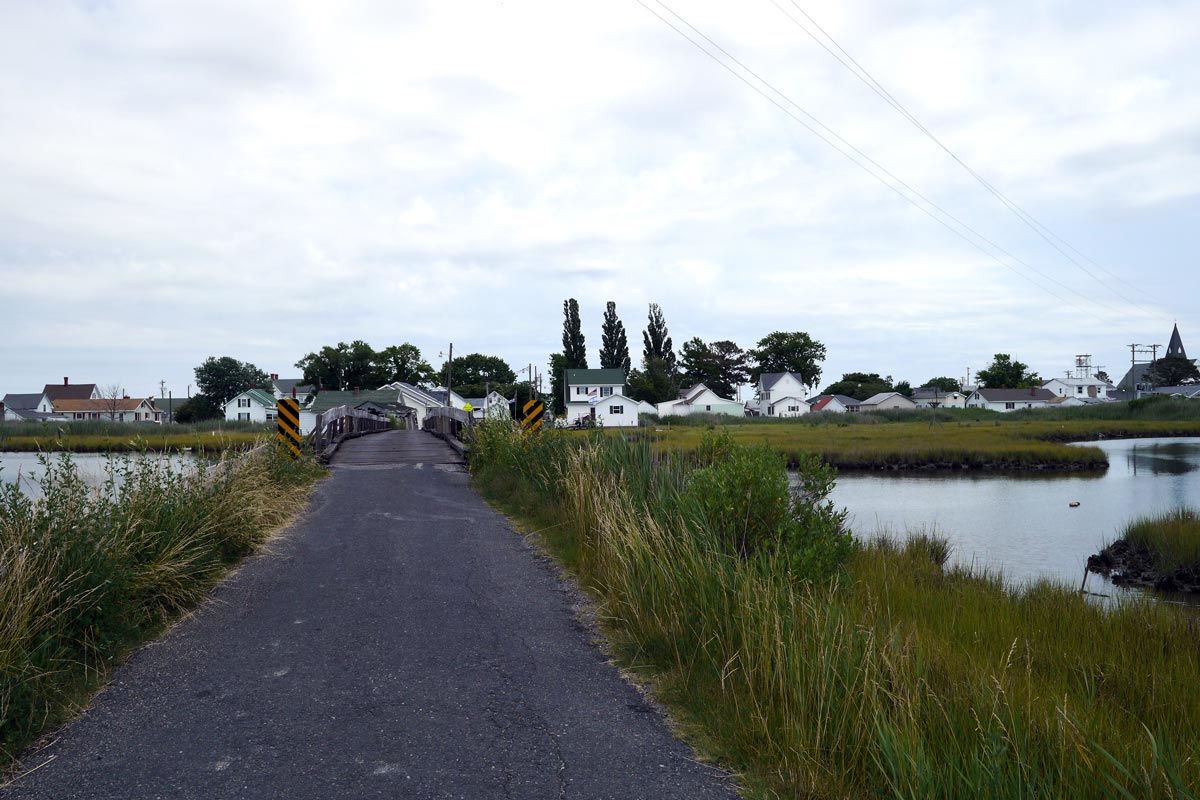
[[905, 388], [1172, 371], [343, 367], [1004, 373], [558, 386], [476, 373], [721, 366], [574, 348], [944, 384], [403, 363], [614, 346], [795, 352], [221, 379], [657, 340], [860, 385], [111, 396], [654, 384], [1103, 376], [197, 409]]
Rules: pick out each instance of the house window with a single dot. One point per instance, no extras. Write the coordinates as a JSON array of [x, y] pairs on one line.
[[708, 408], [770, 411], [793, 408], [1078, 390], [243, 402], [580, 390], [615, 410], [270, 416], [243, 416], [606, 391], [1009, 406]]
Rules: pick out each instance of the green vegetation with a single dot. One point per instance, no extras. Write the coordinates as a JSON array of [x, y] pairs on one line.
[[86, 575], [1171, 539], [113, 437], [817, 668], [947, 438]]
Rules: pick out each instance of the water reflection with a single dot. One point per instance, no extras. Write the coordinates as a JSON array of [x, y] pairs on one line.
[[1024, 526]]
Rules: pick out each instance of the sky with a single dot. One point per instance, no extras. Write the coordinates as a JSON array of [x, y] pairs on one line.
[[192, 179]]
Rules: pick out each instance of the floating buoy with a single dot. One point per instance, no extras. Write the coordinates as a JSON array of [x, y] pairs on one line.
[[1074, 504]]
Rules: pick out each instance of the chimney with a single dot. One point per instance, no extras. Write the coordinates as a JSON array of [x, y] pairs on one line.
[[293, 392], [274, 376], [1, 409], [356, 391], [1032, 392], [66, 381]]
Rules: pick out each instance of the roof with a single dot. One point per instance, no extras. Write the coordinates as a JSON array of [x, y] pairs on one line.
[[285, 385], [415, 391], [819, 403], [845, 400], [596, 377], [327, 399], [876, 399], [29, 414], [1016, 395], [260, 396], [22, 402], [769, 379], [105, 406], [74, 391], [932, 392], [1175, 346]]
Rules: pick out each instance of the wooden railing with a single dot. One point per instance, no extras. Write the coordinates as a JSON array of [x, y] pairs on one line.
[[341, 423], [448, 423]]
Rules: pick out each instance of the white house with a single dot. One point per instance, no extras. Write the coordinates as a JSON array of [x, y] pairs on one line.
[[1092, 387], [291, 387], [118, 409], [833, 404], [494, 406], [885, 401], [933, 397], [1009, 399], [416, 398], [598, 395], [700, 400], [781, 394], [252, 405]]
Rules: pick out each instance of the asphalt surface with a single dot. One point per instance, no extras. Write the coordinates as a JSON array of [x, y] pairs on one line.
[[400, 641]]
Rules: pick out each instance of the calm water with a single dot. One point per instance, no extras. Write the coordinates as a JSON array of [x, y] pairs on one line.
[[1024, 525], [28, 468]]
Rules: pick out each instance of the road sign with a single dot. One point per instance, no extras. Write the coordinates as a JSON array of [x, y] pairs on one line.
[[287, 420], [533, 410]]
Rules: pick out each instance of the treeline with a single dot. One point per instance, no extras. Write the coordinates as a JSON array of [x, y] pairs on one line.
[[720, 365]]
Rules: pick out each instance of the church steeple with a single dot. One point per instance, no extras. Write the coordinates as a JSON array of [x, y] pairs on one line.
[[1175, 348]]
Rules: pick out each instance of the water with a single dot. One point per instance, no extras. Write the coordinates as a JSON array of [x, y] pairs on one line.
[[27, 467], [1024, 525]]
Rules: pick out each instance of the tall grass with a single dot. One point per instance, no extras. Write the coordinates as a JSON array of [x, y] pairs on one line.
[[1172, 539], [886, 676], [86, 574], [102, 436]]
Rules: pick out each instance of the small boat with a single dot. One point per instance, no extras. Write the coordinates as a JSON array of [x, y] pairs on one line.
[[1074, 504]]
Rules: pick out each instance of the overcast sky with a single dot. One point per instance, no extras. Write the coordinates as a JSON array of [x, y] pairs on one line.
[[180, 180]]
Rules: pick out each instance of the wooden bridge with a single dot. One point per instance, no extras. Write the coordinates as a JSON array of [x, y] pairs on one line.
[[394, 448]]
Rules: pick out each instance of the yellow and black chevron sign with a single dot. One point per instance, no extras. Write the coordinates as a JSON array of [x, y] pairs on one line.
[[534, 410], [287, 419]]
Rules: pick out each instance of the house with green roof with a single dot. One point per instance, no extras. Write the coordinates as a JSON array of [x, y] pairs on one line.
[[597, 396], [252, 405]]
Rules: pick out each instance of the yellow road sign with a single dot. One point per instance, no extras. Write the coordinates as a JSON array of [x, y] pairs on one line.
[[534, 411], [287, 423]]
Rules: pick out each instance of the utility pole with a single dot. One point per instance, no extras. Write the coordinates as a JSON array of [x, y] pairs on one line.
[[162, 388], [450, 374]]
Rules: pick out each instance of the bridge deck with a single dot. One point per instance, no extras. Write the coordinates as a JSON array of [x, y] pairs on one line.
[[395, 448]]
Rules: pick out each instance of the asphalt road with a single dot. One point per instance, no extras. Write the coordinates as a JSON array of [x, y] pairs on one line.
[[400, 641]]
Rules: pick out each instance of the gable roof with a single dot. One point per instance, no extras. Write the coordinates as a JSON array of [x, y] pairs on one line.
[[845, 400], [769, 379], [260, 396], [932, 392], [285, 385], [416, 392], [22, 402], [876, 399], [1016, 395], [73, 391], [105, 406], [819, 403], [614, 376], [332, 399]]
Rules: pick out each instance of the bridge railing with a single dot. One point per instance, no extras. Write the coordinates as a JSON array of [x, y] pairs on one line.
[[448, 423], [341, 423]]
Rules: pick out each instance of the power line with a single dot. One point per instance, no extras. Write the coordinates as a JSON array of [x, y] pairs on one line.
[[863, 166], [1049, 236]]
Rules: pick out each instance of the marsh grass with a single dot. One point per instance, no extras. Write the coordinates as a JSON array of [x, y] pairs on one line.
[[891, 676], [1173, 538], [88, 573], [112, 437]]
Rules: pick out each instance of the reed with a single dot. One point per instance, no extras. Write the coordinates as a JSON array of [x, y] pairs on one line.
[[88, 573], [116, 437], [880, 674], [1172, 539]]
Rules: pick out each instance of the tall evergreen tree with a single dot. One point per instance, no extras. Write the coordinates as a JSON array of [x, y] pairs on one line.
[[657, 341], [614, 346], [574, 348]]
